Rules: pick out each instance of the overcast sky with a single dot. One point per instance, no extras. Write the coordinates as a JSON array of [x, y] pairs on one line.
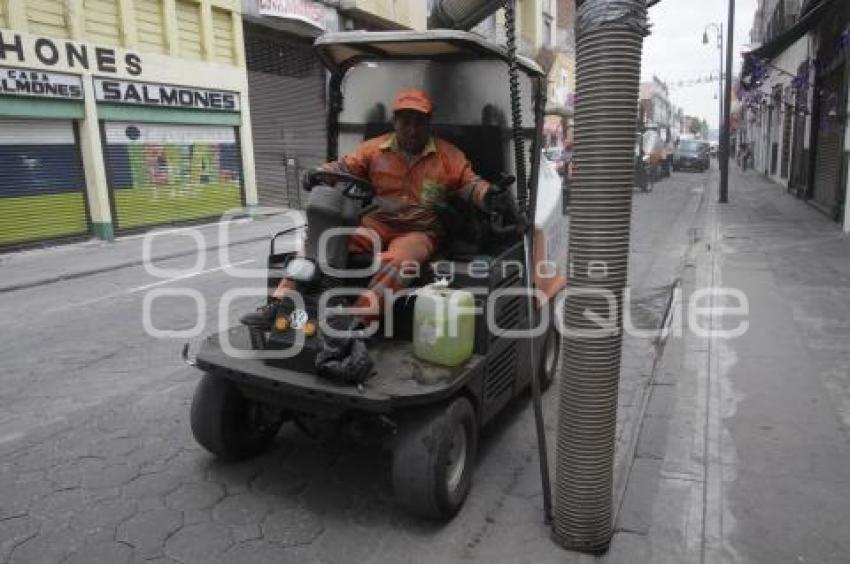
[[675, 51]]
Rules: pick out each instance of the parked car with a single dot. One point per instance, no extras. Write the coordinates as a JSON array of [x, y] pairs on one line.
[[706, 148], [555, 155], [692, 155], [559, 157]]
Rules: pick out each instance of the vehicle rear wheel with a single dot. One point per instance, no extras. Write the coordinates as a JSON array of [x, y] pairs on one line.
[[434, 460], [550, 353], [228, 424]]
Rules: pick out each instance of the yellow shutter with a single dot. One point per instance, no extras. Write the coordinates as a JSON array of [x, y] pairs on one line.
[[188, 29], [47, 17], [3, 14], [150, 25], [223, 35], [103, 22]]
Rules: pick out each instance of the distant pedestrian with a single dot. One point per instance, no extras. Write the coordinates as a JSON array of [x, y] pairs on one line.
[[744, 156]]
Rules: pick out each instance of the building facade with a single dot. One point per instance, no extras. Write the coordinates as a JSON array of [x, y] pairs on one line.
[[655, 106], [120, 115], [794, 101], [545, 33], [287, 82], [560, 104]]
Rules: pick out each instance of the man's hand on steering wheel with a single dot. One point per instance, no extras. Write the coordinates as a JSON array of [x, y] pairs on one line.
[[356, 188]]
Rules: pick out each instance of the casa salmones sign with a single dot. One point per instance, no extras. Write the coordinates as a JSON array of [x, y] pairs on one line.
[[164, 95], [40, 84], [302, 10]]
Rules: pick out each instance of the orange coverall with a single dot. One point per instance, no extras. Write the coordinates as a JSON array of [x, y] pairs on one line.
[[408, 226]]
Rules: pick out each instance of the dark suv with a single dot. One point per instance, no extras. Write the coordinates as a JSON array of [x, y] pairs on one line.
[[691, 155]]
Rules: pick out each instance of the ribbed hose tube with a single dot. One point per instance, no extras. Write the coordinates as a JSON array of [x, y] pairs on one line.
[[609, 45]]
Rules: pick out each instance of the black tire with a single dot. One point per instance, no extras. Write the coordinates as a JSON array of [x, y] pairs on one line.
[[227, 424], [432, 472], [550, 353]]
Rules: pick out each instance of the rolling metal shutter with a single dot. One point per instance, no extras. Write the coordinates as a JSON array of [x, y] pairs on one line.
[[800, 158], [829, 154], [163, 173], [287, 93], [42, 186], [786, 140]]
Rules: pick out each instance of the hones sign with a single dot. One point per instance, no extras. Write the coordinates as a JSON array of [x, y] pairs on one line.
[[59, 53], [164, 95]]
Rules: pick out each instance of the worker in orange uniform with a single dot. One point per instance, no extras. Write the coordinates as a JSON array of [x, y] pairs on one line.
[[412, 172]]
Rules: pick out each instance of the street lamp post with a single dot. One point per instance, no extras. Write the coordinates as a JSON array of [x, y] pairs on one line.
[[718, 29], [725, 139], [726, 103]]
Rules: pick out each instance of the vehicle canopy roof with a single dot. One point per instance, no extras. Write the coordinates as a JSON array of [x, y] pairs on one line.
[[340, 50]]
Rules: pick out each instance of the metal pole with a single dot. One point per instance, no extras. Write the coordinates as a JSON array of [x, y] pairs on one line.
[[720, 84], [526, 197], [725, 142]]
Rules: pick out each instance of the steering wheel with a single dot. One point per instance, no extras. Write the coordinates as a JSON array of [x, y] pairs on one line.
[[356, 188]]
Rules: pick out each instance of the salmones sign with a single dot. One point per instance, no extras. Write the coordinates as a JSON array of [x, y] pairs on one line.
[[40, 84], [164, 95]]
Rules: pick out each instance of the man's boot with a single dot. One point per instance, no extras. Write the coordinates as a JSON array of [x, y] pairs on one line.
[[345, 358], [265, 315]]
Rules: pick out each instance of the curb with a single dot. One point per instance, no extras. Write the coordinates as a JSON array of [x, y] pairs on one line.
[[114, 267], [622, 478]]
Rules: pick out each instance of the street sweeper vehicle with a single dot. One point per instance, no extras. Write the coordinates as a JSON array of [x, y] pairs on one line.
[[474, 330]]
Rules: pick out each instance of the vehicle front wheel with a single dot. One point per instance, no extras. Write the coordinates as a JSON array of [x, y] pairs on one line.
[[434, 460], [228, 424]]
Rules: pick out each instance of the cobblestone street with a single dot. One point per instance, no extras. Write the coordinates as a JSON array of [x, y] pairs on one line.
[[98, 462]]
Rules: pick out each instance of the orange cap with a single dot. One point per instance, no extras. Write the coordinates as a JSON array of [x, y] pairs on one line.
[[416, 100]]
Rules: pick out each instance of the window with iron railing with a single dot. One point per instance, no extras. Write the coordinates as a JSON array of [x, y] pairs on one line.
[[784, 15]]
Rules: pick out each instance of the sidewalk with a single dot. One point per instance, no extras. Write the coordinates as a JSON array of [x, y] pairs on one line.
[[744, 454], [36, 267]]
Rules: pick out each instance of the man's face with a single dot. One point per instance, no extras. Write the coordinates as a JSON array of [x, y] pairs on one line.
[[412, 130]]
